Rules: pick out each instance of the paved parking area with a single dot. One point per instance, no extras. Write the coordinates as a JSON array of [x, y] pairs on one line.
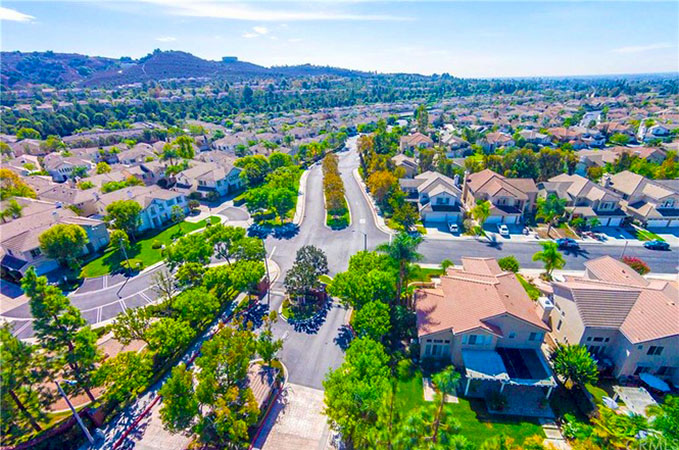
[[296, 421]]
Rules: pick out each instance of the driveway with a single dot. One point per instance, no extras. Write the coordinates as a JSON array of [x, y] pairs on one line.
[[296, 421]]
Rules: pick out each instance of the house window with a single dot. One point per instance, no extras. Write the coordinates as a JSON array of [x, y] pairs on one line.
[[594, 350], [668, 203], [642, 369], [666, 371], [442, 200], [558, 325], [654, 350], [607, 339], [35, 252], [472, 339], [535, 336], [512, 335], [598, 339]]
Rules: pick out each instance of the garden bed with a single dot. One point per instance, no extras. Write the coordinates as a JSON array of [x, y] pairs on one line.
[[297, 313]]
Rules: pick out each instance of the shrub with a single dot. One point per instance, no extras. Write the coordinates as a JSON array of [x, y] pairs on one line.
[[638, 264], [133, 265], [496, 401], [194, 205], [509, 264], [572, 428], [156, 244]]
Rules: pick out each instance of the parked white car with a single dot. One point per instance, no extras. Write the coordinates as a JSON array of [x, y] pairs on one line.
[[453, 228], [504, 231]]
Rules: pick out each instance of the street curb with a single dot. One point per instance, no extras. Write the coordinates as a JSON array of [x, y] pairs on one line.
[[301, 195], [361, 186]]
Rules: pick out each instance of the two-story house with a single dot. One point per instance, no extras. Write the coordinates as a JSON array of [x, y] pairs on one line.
[[494, 140], [535, 137], [414, 142], [655, 203], [136, 155], [156, 204], [481, 319], [209, 180], [510, 198], [19, 236], [408, 164], [438, 197], [628, 322], [454, 146], [585, 199], [61, 168]]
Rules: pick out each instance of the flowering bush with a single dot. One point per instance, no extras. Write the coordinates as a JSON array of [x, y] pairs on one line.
[[638, 264]]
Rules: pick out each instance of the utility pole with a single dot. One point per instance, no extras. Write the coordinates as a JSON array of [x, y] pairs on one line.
[[122, 246], [623, 250], [75, 414]]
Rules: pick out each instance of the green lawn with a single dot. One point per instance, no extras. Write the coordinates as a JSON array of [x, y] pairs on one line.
[[425, 275], [141, 249], [645, 235], [531, 289], [476, 424]]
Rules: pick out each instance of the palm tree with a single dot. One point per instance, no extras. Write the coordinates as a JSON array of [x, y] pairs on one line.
[[550, 209], [481, 211], [551, 257], [445, 382], [593, 222], [402, 251]]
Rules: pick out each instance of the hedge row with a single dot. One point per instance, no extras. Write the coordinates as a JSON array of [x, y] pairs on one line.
[[333, 188]]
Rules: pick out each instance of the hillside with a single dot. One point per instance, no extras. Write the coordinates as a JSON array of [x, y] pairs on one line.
[[21, 70]]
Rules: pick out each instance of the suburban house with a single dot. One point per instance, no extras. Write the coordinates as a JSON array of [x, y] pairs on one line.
[[454, 145], [494, 140], [535, 138], [656, 132], [408, 164], [438, 197], [510, 198], [156, 204], [652, 154], [481, 319], [627, 322], [136, 155], [593, 158], [208, 180], [655, 203], [19, 236], [585, 199], [415, 141], [61, 167]]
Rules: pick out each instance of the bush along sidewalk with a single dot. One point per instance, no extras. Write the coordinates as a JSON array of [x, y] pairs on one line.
[[337, 209]]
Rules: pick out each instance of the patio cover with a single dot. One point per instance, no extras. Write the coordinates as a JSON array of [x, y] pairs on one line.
[[636, 399], [484, 365]]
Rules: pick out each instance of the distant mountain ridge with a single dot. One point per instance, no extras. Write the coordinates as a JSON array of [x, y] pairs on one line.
[[20, 70]]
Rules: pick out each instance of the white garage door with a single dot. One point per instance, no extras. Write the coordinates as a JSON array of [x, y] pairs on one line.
[[511, 220], [657, 223], [494, 219], [674, 223]]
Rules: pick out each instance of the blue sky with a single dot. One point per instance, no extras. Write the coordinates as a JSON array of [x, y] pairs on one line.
[[467, 39]]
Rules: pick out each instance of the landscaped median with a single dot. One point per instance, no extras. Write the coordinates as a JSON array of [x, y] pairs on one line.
[[147, 249], [337, 209]]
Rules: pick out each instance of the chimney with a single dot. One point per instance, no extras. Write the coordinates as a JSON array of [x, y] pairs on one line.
[[456, 180], [607, 181], [544, 308]]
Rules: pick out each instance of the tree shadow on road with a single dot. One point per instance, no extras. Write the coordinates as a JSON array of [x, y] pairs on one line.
[[254, 315], [344, 337], [313, 324]]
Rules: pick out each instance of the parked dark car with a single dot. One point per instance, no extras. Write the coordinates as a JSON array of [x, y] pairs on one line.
[[657, 245], [567, 243]]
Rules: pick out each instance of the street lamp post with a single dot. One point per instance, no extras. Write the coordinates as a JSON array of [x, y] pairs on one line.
[[122, 246], [268, 277], [75, 414]]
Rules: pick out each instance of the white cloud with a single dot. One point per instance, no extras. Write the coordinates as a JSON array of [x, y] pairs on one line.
[[295, 40], [166, 39], [260, 30], [14, 15], [249, 12], [642, 48], [249, 35]]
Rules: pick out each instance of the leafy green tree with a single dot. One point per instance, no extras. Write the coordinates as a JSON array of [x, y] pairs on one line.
[[124, 215], [618, 431], [355, 390], [500, 442], [103, 167], [23, 397], [550, 209], [481, 211], [302, 278], [282, 201], [60, 329], [177, 215], [575, 365], [11, 185], [254, 169], [404, 213], [445, 383], [422, 118], [196, 305], [619, 139], [224, 238], [666, 420], [509, 264], [190, 248], [13, 210], [184, 146], [124, 375], [119, 242], [167, 336], [267, 346], [180, 406], [372, 320], [190, 274], [27, 133], [63, 242], [248, 249], [219, 281], [403, 251], [593, 222], [131, 325], [370, 277], [170, 153], [245, 275], [278, 159], [550, 257]]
